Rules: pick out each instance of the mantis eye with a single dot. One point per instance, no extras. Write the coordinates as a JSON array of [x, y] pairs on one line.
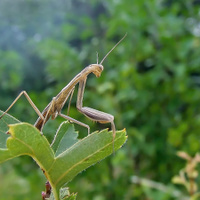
[[101, 67]]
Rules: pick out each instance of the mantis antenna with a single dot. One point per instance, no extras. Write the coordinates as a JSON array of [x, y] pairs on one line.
[[112, 50], [97, 57]]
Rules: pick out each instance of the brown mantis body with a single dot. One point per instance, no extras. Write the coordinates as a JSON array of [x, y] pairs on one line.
[[54, 108]]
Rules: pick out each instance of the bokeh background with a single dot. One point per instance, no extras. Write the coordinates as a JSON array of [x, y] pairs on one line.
[[150, 83]]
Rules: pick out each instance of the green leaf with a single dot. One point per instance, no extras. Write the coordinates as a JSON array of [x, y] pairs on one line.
[[64, 138], [64, 195], [25, 139], [71, 197], [7, 119]]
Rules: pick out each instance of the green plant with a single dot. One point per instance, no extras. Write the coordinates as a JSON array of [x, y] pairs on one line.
[[64, 159], [188, 175]]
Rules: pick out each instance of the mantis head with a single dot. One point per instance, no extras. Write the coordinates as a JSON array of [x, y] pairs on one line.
[[97, 69]]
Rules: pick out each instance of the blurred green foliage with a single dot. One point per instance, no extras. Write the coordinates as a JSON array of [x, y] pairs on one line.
[[150, 83]]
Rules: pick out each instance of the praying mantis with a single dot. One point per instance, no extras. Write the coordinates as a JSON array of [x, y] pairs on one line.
[[54, 108]]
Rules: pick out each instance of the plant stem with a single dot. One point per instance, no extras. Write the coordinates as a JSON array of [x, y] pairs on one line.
[[191, 186], [55, 193]]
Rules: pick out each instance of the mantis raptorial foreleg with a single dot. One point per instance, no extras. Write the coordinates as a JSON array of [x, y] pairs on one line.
[[91, 113]]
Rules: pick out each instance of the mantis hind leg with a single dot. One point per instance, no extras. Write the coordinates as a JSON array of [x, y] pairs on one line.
[[29, 100]]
